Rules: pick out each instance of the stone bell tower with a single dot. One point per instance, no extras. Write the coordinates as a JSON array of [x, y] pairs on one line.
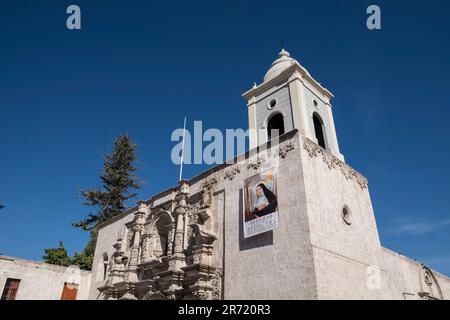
[[290, 98], [322, 200]]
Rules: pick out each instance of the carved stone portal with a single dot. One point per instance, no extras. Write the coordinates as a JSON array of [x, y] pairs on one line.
[[168, 255]]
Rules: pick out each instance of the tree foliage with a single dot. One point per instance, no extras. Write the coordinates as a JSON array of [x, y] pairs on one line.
[[82, 260], [57, 256], [118, 184]]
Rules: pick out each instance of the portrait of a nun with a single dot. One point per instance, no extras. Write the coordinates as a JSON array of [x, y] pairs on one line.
[[266, 201]]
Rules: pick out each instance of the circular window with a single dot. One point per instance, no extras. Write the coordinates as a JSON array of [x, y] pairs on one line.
[[315, 103], [346, 215], [272, 104]]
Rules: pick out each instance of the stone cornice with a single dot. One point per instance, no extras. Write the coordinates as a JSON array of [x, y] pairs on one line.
[[302, 74], [314, 150]]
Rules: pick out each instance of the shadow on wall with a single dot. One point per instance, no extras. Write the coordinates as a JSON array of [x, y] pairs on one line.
[[259, 240]]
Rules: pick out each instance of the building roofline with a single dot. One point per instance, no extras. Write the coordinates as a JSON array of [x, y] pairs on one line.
[[256, 90], [412, 260], [230, 162], [200, 176], [41, 263]]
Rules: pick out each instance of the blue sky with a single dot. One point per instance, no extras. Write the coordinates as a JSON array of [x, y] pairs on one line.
[[140, 66]]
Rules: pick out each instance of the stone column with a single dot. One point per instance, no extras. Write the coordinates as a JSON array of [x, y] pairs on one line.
[[252, 126], [299, 112], [138, 227], [332, 132], [170, 239], [145, 250], [178, 250]]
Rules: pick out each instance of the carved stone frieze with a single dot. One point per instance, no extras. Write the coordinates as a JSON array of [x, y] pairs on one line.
[[216, 283], [332, 162], [209, 183], [148, 272], [231, 173], [285, 149], [255, 163]]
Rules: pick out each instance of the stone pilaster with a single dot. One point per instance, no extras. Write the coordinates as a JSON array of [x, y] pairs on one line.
[[181, 209]]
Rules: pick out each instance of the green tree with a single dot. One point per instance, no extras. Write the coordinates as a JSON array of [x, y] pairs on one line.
[[57, 256], [118, 185], [82, 260]]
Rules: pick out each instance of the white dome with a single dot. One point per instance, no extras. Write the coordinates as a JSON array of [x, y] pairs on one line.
[[283, 62]]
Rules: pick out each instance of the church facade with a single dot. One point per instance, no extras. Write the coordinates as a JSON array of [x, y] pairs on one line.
[[208, 238]]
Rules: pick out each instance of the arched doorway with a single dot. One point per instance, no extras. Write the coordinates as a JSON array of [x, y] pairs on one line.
[[318, 129], [163, 225], [275, 126]]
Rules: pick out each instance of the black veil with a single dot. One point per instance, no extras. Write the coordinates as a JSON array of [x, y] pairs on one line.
[[271, 198]]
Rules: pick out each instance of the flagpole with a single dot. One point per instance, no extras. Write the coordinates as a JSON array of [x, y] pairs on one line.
[[182, 149]]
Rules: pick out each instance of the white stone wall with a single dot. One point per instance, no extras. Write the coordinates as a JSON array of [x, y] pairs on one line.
[[342, 253], [404, 278], [322, 109], [41, 281], [274, 265], [106, 238], [283, 106], [277, 264], [313, 254]]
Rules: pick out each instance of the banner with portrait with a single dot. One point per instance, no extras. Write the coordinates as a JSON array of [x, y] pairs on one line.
[[260, 203]]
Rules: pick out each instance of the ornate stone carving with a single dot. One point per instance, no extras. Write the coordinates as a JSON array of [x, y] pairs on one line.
[[193, 219], [170, 237], [182, 206], [178, 240], [129, 240], [139, 219], [118, 264], [231, 173], [185, 270], [193, 213], [157, 295], [146, 247], [361, 181], [311, 148], [142, 207], [256, 163], [201, 295], [209, 183], [284, 150], [208, 283], [216, 283], [332, 162], [202, 234], [173, 292], [133, 255]]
